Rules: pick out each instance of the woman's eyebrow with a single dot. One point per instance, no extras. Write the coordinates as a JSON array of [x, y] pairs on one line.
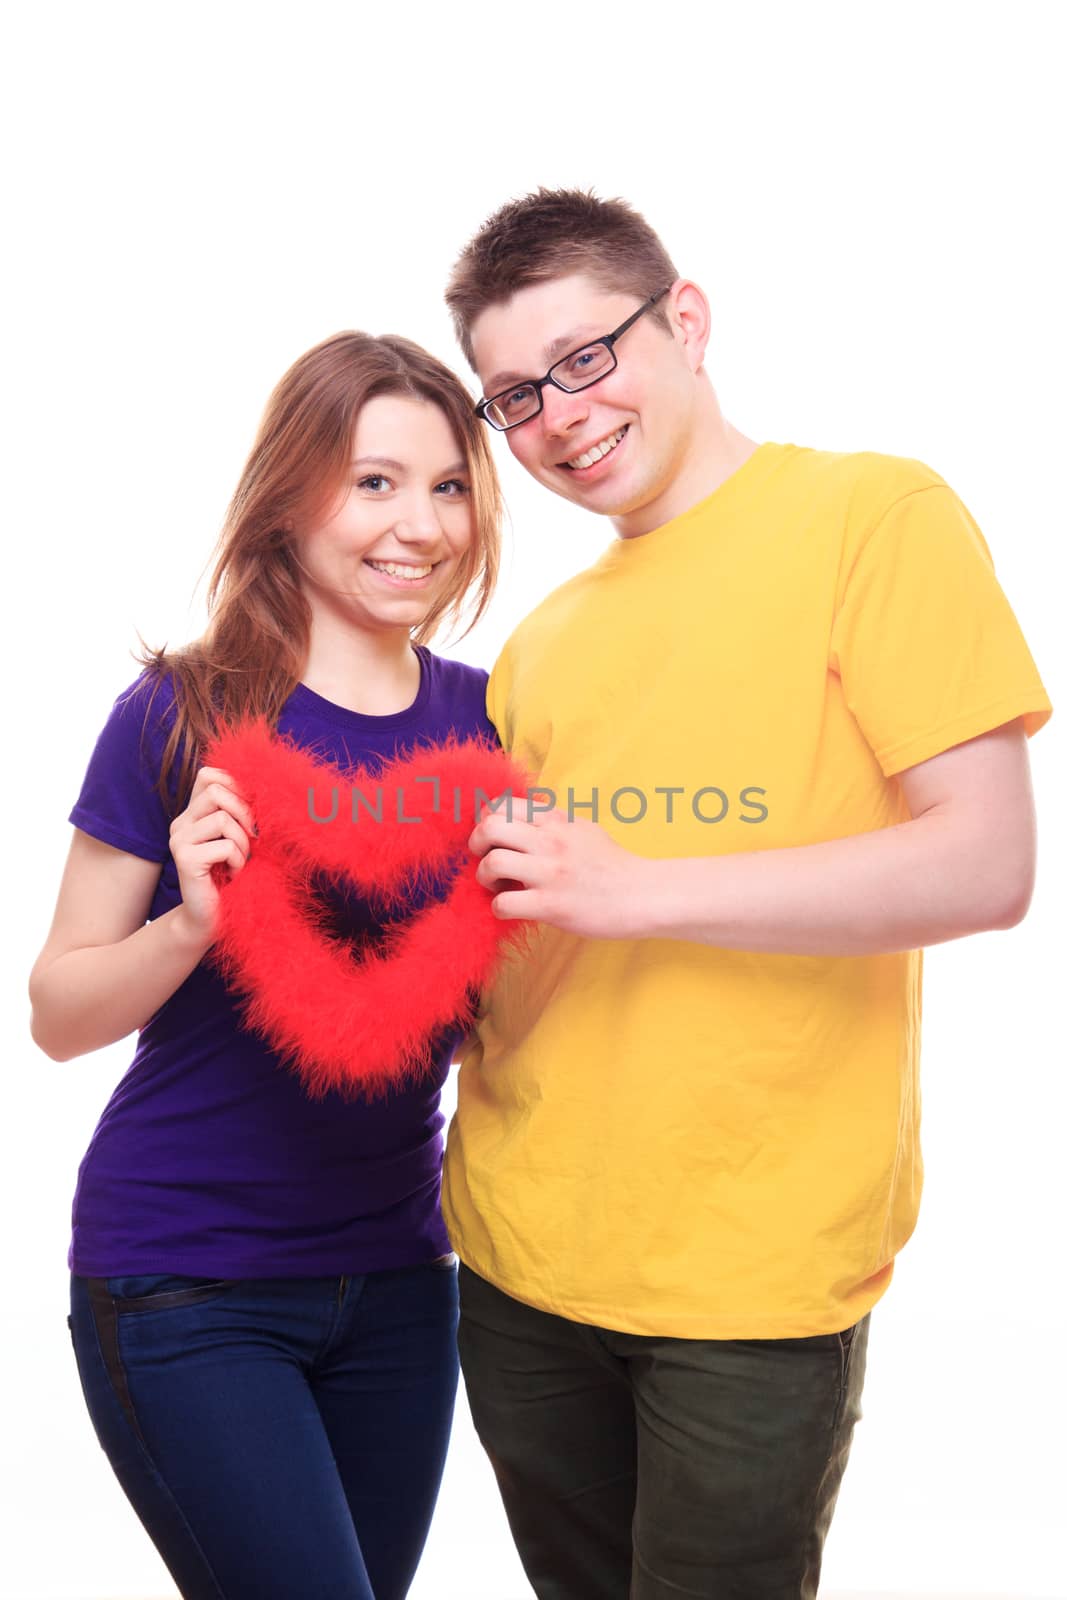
[[400, 466], [379, 461]]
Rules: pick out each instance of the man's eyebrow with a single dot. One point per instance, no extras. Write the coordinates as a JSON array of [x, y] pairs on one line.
[[559, 347]]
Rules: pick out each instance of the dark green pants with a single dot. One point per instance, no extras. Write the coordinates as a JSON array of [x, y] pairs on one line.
[[645, 1468]]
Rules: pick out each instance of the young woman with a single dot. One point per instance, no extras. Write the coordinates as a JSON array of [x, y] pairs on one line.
[[263, 1297]]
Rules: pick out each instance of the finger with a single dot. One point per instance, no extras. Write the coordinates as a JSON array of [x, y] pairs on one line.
[[516, 905], [217, 796], [547, 819], [500, 804], [498, 830], [230, 828], [501, 866], [214, 852], [203, 800], [206, 776], [524, 817], [217, 824], [511, 806], [214, 775]]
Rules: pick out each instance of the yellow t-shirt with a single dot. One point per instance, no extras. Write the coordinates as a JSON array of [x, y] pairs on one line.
[[665, 1138]]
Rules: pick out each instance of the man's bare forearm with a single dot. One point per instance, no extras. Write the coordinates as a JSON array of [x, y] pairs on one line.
[[919, 883]]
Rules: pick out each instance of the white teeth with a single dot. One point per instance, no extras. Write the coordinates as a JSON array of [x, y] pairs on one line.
[[395, 570], [597, 451]]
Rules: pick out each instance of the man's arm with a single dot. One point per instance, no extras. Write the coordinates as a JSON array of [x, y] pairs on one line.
[[964, 862]]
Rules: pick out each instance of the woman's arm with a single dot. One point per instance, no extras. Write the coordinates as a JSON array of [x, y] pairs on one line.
[[103, 970]]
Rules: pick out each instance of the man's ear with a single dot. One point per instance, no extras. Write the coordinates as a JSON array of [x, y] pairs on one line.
[[689, 315]]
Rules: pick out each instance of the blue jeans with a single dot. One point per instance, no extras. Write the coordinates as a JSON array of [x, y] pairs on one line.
[[277, 1437]]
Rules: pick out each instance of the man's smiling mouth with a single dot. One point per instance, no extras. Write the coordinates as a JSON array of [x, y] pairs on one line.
[[596, 452]]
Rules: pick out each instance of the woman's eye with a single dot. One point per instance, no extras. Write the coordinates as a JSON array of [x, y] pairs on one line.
[[452, 487], [374, 482]]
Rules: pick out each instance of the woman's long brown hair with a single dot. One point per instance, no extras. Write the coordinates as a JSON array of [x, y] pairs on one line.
[[251, 656]]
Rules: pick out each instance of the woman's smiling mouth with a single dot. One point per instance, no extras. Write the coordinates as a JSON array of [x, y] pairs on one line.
[[402, 572]]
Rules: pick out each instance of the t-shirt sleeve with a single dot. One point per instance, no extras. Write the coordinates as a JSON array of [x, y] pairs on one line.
[[119, 803], [928, 650]]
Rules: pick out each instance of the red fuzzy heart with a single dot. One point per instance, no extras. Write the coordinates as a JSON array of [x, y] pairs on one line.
[[366, 1024]]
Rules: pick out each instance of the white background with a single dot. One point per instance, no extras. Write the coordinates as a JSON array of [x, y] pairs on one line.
[[195, 194]]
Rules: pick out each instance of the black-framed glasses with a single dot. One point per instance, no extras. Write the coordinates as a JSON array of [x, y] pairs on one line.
[[521, 401]]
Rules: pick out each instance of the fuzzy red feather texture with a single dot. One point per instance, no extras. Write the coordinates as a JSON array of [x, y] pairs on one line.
[[358, 1024]]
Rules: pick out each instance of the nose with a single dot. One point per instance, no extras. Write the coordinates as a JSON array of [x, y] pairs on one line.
[[561, 413], [419, 521]]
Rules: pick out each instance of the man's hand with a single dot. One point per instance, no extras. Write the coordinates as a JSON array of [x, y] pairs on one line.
[[571, 875], [963, 862]]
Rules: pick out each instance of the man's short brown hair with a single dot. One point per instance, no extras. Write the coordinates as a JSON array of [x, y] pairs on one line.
[[551, 234]]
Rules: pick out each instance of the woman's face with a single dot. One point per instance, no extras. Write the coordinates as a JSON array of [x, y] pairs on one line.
[[388, 548]]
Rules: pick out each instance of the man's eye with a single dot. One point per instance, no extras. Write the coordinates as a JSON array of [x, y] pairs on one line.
[[517, 398], [582, 360]]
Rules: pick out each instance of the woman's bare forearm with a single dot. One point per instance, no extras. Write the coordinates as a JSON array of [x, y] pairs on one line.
[[85, 999]]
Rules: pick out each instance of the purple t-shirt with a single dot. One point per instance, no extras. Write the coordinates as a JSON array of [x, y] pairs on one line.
[[210, 1158]]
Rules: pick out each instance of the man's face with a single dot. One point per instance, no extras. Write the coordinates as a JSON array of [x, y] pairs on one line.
[[638, 420]]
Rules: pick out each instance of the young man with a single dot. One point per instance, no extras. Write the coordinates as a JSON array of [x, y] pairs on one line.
[[781, 725]]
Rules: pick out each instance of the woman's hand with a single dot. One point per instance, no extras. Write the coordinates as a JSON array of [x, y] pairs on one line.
[[215, 828]]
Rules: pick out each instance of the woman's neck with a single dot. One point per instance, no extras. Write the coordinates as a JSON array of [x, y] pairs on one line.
[[377, 674]]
